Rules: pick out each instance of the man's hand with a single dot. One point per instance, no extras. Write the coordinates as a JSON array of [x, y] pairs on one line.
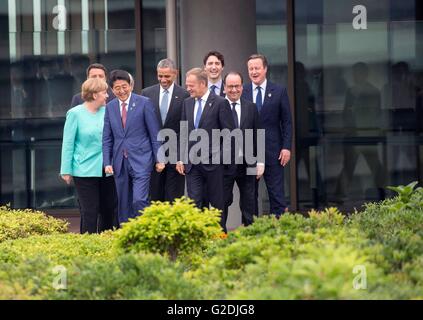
[[180, 168], [160, 167], [260, 170], [108, 170], [284, 157], [67, 178]]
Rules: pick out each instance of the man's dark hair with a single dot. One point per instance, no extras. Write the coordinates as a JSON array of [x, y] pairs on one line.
[[217, 54], [233, 73], [96, 66], [258, 56], [119, 75]]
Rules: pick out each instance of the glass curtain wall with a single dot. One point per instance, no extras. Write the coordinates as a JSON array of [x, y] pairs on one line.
[[272, 41], [358, 87], [46, 46]]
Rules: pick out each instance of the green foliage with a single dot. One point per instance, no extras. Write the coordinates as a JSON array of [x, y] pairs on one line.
[[141, 276], [172, 229], [15, 224], [58, 249], [294, 257]]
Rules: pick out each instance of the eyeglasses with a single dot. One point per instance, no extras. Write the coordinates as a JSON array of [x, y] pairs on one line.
[[236, 87]]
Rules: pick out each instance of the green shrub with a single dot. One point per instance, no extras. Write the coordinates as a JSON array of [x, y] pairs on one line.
[[58, 249], [172, 229], [319, 272], [139, 276], [15, 224]]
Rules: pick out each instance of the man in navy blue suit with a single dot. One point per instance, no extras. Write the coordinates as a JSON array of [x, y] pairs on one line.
[[130, 145], [275, 118], [204, 112]]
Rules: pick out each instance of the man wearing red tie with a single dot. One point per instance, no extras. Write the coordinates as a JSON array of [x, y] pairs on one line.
[[130, 145]]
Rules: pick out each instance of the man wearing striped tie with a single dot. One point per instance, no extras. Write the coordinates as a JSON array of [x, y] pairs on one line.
[[167, 98]]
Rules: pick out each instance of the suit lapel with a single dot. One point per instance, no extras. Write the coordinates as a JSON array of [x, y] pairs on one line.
[[268, 94], [131, 109], [175, 97], [116, 110], [206, 108], [244, 111], [190, 112], [156, 103]]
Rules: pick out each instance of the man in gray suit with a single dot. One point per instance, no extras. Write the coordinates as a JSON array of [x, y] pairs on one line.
[[167, 98]]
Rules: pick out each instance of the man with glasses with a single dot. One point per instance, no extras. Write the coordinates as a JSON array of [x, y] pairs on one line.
[[246, 117]]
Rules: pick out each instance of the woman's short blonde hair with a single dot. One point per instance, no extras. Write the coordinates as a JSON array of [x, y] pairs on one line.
[[92, 86]]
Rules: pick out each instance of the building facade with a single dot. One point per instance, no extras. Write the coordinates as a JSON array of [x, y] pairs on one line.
[[353, 69]]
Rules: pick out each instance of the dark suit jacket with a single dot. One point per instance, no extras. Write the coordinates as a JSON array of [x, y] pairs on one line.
[[77, 99], [138, 138], [249, 120], [174, 113], [216, 115], [275, 118]]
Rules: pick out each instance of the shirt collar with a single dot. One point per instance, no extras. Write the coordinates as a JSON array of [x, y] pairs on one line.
[[126, 101], [263, 86], [218, 84], [170, 90], [206, 96], [238, 102]]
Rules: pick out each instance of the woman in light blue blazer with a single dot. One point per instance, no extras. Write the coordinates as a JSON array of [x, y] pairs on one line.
[[82, 159]]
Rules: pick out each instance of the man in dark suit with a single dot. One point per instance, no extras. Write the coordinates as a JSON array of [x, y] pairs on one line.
[[214, 63], [202, 113], [95, 70], [167, 98], [246, 117], [130, 145], [275, 118]]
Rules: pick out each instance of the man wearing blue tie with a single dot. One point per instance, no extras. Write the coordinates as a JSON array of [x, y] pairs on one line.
[[204, 111], [130, 145], [275, 118], [214, 63], [167, 98]]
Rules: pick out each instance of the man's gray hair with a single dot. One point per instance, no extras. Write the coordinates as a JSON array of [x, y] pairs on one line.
[[166, 63]]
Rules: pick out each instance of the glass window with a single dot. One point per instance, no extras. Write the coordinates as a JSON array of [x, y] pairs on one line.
[[272, 42], [358, 100], [46, 47], [153, 38]]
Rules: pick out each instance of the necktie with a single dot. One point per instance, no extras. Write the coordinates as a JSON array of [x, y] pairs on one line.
[[198, 115], [124, 114], [235, 114], [163, 105], [213, 89], [259, 99]]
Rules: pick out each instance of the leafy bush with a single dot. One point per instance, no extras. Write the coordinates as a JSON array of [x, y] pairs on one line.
[[172, 229], [59, 249], [141, 276], [15, 224], [395, 224]]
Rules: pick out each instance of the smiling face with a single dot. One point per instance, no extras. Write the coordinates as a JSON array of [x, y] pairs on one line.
[[213, 68], [101, 98], [166, 77], [233, 87], [195, 87], [256, 71], [122, 89]]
